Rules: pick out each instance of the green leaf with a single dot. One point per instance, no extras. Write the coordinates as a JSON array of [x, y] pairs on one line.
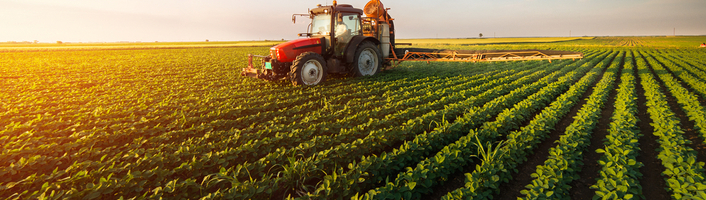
[[700, 186], [628, 196], [626, 152], [622, 188], [408, 195], [45, 186], [411, 185], [600, 193]]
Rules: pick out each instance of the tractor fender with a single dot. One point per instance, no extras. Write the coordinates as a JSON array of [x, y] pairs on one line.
[[353, 46]]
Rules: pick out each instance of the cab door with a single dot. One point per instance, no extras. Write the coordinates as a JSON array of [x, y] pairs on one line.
[[347, 25]]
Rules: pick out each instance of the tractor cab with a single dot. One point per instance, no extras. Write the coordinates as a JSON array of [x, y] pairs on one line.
[[341, 23], [339, 40]]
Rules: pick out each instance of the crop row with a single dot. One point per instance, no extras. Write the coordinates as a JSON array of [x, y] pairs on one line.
[[695, 78], [433, 141], [391, 114], [136, 155], [77, 173], [389, 138], [181, 124], [419, 180], [684, 174], [565, 160], [386, 137], [688, 101], [619, 177], [484, 181]]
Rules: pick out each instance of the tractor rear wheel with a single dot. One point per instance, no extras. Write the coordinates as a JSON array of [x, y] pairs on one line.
[[309, 68], [367, 60]]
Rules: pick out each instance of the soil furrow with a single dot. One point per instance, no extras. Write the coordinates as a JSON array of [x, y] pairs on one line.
[[522, 177], [653, 184], [580, 189]]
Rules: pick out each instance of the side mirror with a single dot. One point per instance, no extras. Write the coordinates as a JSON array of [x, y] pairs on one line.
[[294, 17]]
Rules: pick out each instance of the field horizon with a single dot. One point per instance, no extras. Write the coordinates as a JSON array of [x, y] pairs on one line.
[[27, 45]]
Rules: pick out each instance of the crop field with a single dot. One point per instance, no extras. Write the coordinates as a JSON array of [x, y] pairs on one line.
[[628, 121]]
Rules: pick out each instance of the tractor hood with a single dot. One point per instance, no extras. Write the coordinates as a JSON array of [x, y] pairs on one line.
[[288, 51]]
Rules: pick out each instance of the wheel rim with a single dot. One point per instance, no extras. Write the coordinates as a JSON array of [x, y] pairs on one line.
[[312, 72], [367, 62]]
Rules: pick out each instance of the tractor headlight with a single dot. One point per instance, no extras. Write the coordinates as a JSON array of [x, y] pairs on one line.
[[273, 53]]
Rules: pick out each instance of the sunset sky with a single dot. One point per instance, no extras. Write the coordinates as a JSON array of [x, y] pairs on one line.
[[233, 20]]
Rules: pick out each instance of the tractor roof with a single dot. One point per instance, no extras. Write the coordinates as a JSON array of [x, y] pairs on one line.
[[340, 8]]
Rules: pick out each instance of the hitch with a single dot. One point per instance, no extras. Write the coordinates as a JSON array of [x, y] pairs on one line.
[[250, 70], [265, 72]]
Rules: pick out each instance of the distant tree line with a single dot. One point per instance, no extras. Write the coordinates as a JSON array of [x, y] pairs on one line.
[[23, 42]]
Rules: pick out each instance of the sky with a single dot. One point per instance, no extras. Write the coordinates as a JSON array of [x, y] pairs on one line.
[[239, 20]]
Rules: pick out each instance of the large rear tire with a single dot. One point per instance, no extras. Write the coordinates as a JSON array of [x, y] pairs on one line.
[[367, 60], [309, 68]]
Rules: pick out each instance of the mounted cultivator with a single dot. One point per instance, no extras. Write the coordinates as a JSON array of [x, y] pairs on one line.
[[345, 40]]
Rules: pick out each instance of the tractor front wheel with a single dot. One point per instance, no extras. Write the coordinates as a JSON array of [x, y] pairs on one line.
[[309, 68], [367, 60]]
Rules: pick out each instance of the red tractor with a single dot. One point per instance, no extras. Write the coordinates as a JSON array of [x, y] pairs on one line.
[[343, 41], [340, 40]]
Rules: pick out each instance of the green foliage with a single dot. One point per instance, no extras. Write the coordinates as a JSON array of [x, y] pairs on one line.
[[565, 160], [182, 124], [685, 175], [619, 176]]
